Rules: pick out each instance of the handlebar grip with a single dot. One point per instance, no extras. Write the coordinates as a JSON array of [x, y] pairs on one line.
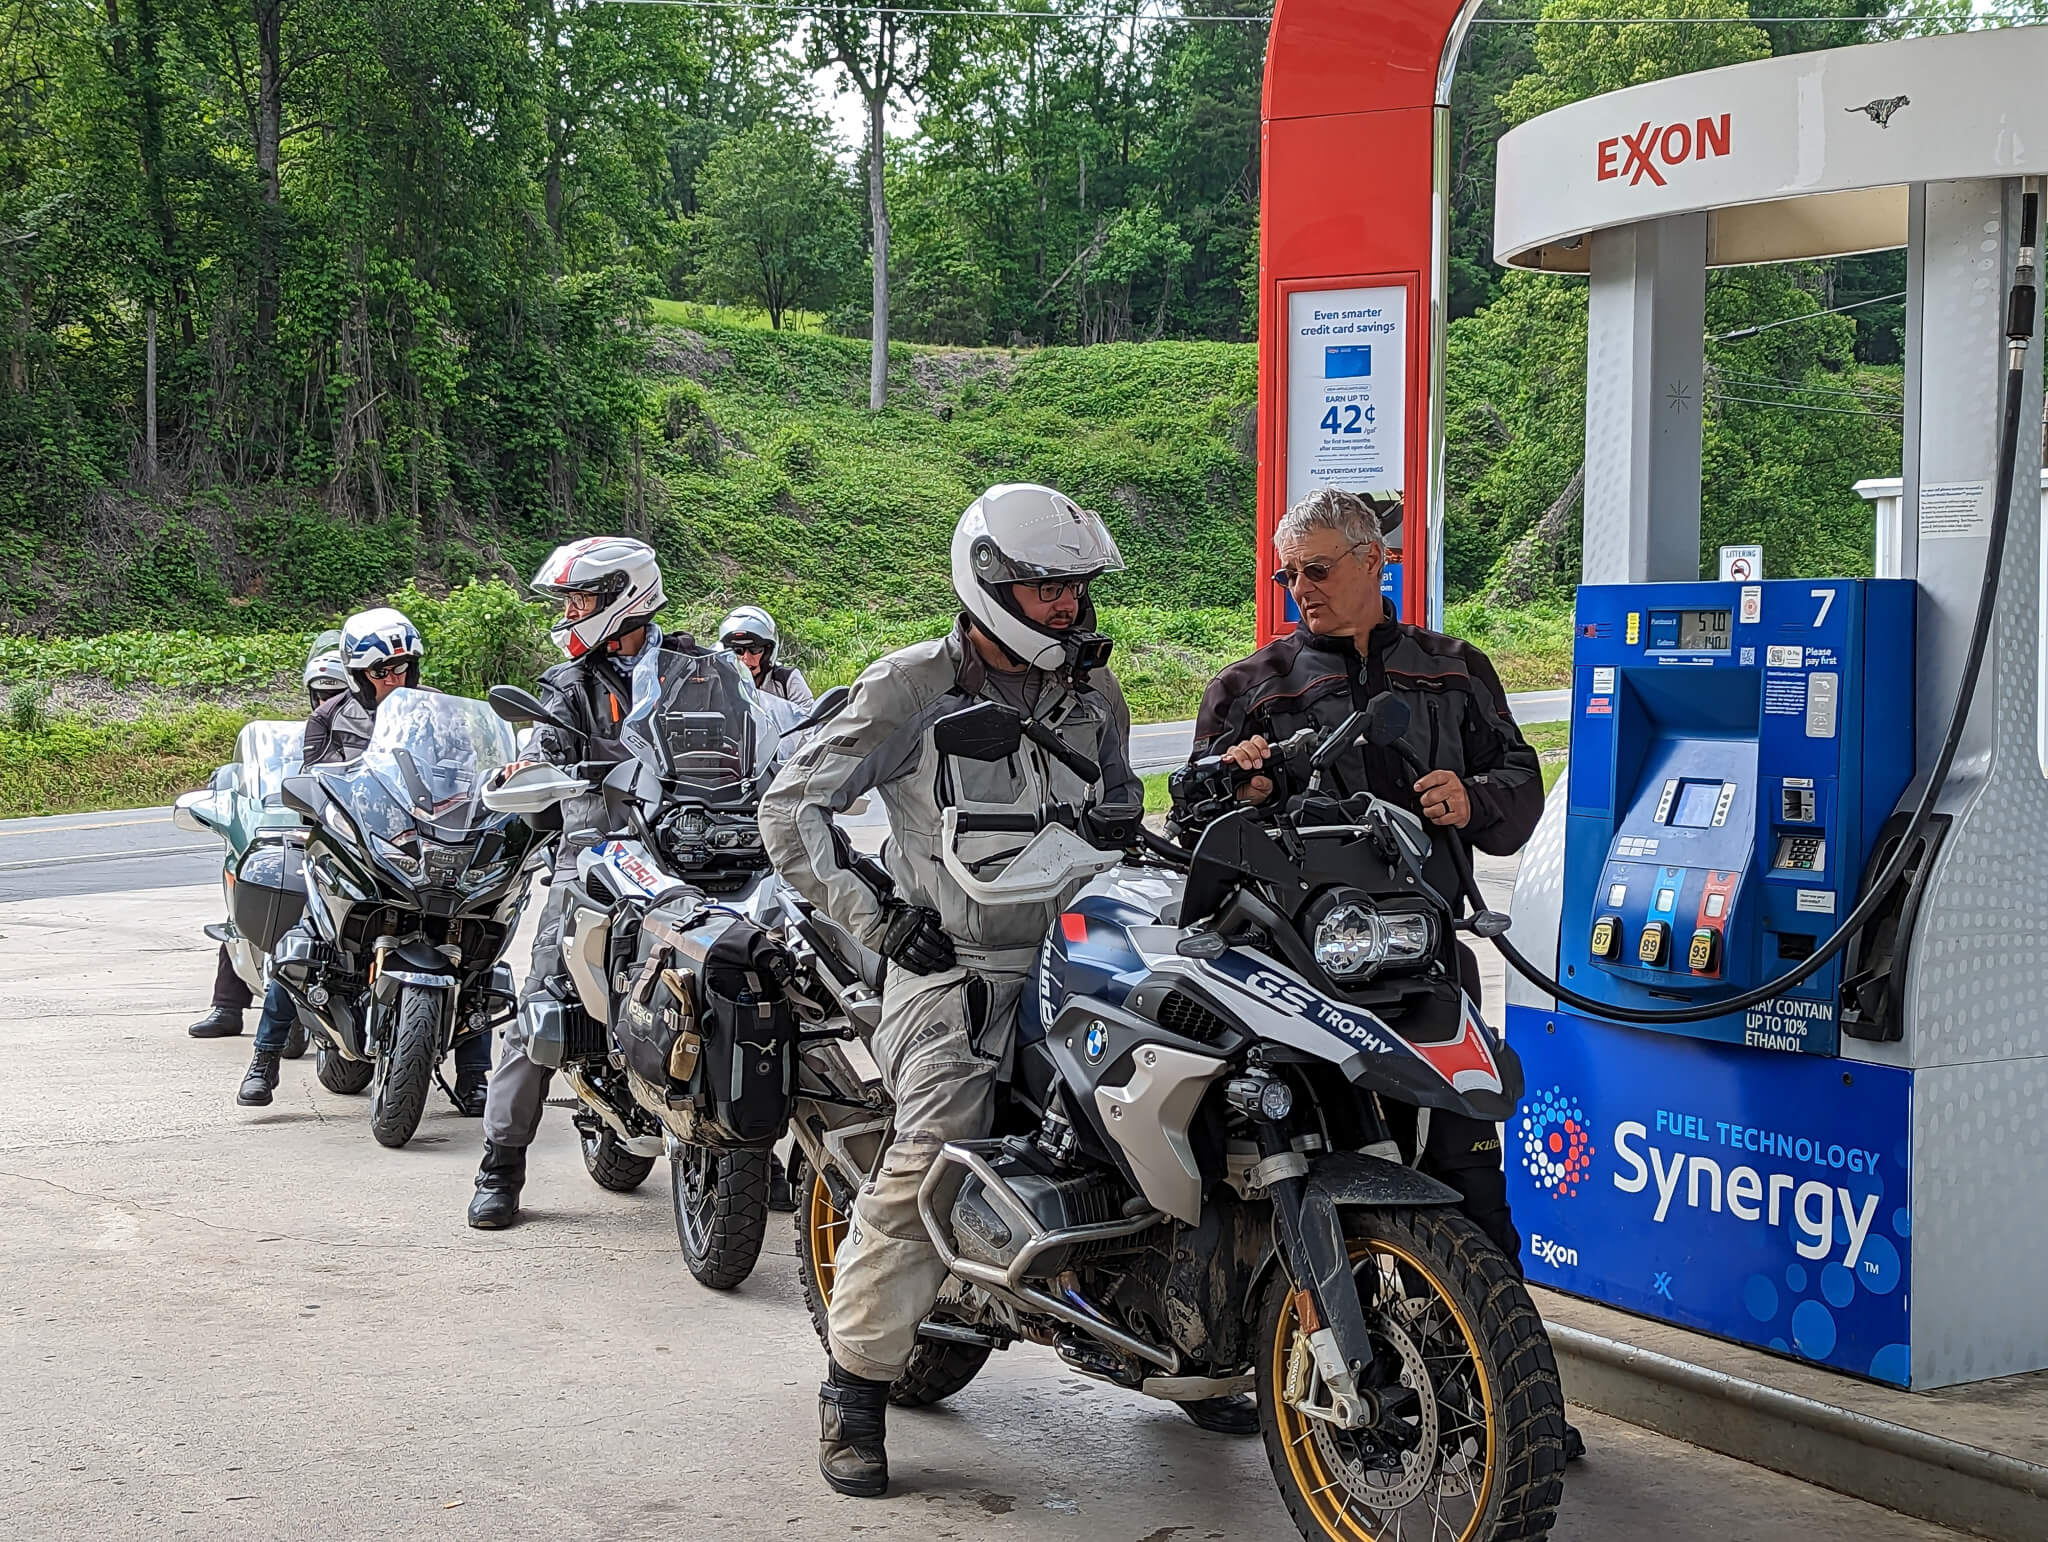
[[998, 824]]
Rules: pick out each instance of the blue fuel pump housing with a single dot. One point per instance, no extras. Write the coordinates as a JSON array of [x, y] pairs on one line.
[[1735, 749]]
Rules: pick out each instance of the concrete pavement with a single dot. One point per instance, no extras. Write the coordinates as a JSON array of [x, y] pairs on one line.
[[229, 1323]]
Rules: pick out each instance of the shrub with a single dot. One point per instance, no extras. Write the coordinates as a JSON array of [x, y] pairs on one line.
[[480, 635]]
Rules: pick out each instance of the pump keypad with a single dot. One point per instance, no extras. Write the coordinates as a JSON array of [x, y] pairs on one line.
[[1801, 853]]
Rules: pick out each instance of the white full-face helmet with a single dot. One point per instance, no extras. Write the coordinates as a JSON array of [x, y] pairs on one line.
[[1023, 533], [377, 636], [621, 572], [749, 621]]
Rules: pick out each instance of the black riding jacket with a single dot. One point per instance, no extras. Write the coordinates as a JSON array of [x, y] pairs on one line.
[[1459, 722]]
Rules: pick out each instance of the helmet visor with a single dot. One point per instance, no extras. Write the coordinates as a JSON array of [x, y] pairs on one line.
[[1055, 544]]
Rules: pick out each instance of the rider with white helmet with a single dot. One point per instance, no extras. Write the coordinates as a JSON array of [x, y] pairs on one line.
[[609, 588], [323, 678], [749, 632], [380, 652], [1024, 558]]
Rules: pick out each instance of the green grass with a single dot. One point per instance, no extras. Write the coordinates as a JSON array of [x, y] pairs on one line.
[[74, 765], [1531, 648]]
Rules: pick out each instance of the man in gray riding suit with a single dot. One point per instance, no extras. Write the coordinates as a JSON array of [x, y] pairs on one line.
[[609, 588], [1023, 559]]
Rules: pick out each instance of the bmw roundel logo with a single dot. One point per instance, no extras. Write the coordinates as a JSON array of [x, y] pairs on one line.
[[1098, 1043]]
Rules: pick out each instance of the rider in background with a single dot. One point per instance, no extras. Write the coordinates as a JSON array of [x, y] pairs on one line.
[[609, 588], [750, 632], [380, 652], [324, 678]]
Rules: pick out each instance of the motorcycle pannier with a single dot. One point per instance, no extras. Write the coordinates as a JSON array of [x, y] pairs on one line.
[[706, 1022], [270, 891]]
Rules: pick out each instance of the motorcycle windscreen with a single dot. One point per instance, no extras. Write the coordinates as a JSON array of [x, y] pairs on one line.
[[700, 725], [427, 761], [267, 753]]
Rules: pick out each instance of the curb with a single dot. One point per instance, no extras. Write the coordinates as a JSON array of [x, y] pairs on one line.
[[1908, 1470]]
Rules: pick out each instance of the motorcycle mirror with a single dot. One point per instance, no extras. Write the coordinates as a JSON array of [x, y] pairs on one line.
[[825, 708], [302, 795], [988, 730], [185, 816], [517, 706], [1386, 719]]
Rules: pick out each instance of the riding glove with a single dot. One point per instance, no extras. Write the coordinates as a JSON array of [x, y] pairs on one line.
[[914, 937]]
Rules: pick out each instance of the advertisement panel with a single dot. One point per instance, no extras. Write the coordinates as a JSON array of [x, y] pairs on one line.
[[1763, 1198]]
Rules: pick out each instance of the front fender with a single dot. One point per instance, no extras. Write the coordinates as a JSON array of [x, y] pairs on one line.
[[1353, 1178]]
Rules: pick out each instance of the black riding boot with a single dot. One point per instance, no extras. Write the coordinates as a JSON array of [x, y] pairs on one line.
[[261, 1081], [219, 1023], [1234, 1414], [498, 1182], [852, 1423], [780, 1196], [472, 1091]]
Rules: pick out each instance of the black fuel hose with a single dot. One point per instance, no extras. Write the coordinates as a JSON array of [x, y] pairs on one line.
[[2019, 333]]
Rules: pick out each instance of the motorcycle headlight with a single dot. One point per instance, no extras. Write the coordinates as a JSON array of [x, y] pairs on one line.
[[444, 864], [1355, 940], [405, 861]]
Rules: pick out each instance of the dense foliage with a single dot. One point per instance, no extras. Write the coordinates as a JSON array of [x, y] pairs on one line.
[[408, 273]]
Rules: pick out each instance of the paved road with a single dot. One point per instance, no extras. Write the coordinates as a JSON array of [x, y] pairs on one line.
[[1162, 746], [229, 1323]]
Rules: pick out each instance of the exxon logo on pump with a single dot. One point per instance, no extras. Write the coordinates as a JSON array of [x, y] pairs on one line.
[[1654, 147]]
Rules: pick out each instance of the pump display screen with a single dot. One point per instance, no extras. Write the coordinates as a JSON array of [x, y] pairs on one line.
[[1690, 631], [1696, 802]]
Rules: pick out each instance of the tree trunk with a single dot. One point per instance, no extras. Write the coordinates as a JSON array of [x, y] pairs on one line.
[[878, 214], [1531, 564], [269, 134], [149, 395]]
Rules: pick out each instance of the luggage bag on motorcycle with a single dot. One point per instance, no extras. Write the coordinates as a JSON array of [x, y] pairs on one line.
[[705, 1022], [269, 891]]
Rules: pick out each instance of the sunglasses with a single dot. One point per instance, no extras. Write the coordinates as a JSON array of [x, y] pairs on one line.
[[394, 669], [1317, 573], [1058, 588], [749, 649]]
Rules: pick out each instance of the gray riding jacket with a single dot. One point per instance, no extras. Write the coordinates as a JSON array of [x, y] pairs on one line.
[[882, 743]]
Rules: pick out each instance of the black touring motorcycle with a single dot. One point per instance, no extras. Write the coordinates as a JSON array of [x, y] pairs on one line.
[[1192, 1189], [415, 891]]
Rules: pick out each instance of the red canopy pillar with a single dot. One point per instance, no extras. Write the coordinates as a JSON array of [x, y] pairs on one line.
[[1353, 216]]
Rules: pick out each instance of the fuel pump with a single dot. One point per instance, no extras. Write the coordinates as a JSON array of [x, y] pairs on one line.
[[1757, 1082]]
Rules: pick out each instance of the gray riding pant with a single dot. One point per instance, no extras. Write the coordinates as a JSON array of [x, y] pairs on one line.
[[942, 1045], [519, 1088]]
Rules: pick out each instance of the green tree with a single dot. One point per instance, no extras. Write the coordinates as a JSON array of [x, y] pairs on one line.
[[775, 224], [1588, 58]]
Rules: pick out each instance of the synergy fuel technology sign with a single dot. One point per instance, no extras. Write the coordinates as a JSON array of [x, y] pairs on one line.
[[1761, 1198]]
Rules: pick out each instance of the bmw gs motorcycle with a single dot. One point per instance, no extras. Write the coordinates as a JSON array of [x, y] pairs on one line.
[[242, 805], [658, 904], [416, 889], [1193, 1189]]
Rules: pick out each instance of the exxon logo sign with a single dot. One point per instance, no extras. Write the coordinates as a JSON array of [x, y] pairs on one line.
[[1651, 148]]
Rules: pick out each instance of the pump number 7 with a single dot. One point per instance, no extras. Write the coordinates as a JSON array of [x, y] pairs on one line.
[[1827, 603]]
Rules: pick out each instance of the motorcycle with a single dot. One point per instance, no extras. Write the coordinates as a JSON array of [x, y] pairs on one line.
[[679, 869], [241, 805], [416, 891], [1194, 1188]]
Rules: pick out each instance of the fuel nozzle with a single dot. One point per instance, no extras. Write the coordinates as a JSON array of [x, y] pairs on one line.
[[2019, 309]]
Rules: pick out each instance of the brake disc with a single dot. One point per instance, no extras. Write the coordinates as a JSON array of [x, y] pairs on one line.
[[1373, 1486]]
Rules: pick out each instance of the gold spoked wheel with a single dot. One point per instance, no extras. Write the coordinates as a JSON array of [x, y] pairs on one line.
[[937, 1370], [1468, 1396]]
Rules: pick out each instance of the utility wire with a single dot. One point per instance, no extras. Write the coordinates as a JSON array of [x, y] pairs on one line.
[[1180, 18], [1763, 382], [1786, 321], [1838, 412]]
